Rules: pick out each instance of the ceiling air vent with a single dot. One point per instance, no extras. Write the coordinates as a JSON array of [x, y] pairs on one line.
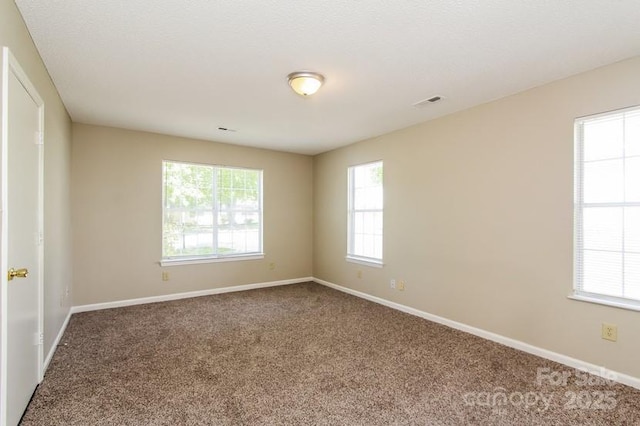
[[431, 100]]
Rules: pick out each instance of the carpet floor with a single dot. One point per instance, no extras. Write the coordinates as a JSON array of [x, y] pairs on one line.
[[304, 354]]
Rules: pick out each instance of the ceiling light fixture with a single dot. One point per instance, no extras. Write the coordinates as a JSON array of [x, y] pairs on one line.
[[305, 83]]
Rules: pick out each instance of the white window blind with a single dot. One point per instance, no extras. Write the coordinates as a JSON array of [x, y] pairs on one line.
[[210, 211], [365, 216], [607, 207]]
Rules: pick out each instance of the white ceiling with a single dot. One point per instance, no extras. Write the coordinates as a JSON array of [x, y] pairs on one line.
[[188, 67]]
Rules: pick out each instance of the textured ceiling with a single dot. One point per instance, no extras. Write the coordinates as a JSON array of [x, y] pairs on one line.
[[188, 67]]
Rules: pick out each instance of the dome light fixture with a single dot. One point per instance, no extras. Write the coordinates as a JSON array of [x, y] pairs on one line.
[[305, 83]]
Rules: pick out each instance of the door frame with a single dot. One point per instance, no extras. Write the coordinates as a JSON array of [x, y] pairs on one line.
[[9, 64]]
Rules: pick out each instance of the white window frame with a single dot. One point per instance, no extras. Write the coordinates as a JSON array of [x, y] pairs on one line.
[[210, 258], [579, 207], [351, 255]]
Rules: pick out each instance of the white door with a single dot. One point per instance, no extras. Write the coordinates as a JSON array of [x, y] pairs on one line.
[[21, 250]]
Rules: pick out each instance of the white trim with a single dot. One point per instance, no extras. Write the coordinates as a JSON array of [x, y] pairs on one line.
[[186, 295], [602, 300], [512, 343], [197, 260], [56, 342], [605, 113], [364, 261]]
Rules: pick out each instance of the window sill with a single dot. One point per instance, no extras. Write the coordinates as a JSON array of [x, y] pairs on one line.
[[197, 260], [603, 300], [365, 261]]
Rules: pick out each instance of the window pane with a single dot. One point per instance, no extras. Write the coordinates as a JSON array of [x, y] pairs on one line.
[[187, 232], [632, 133], [632, 276], [603, 272], [377, 223], [368, 198], [238, 232], [369, 246], [359, 199], [632, 179], [603, 138], [210, 210], [358, 244], [188, 212], [608, 231], [189, 186], [359, 176], [239, 217], [632, 229], [603, 228], [603, 181], [366, 201], [172, 234], [238, 240], [368, 223], [358, 222], [184, 181]]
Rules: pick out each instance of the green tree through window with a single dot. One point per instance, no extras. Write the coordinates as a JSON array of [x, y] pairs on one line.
[[210, 211]]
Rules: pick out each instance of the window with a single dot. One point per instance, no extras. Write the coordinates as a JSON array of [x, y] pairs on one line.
[[365, 213], [607, 208], [210, 212]]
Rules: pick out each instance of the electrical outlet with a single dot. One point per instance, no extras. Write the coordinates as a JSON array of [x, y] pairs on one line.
[[359, 273], [392, 283], [610, 332], [401, 285], [165, 276], [272, 266]]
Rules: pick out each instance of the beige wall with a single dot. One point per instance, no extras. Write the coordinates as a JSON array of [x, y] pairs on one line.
[[117, 216], [57, 268], [478, 218]]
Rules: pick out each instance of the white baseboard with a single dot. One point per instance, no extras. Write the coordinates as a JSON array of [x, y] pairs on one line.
[[56, 342], [512, 343], [186, 295]]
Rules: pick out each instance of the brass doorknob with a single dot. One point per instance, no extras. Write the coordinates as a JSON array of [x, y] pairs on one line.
[[18, 273]]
